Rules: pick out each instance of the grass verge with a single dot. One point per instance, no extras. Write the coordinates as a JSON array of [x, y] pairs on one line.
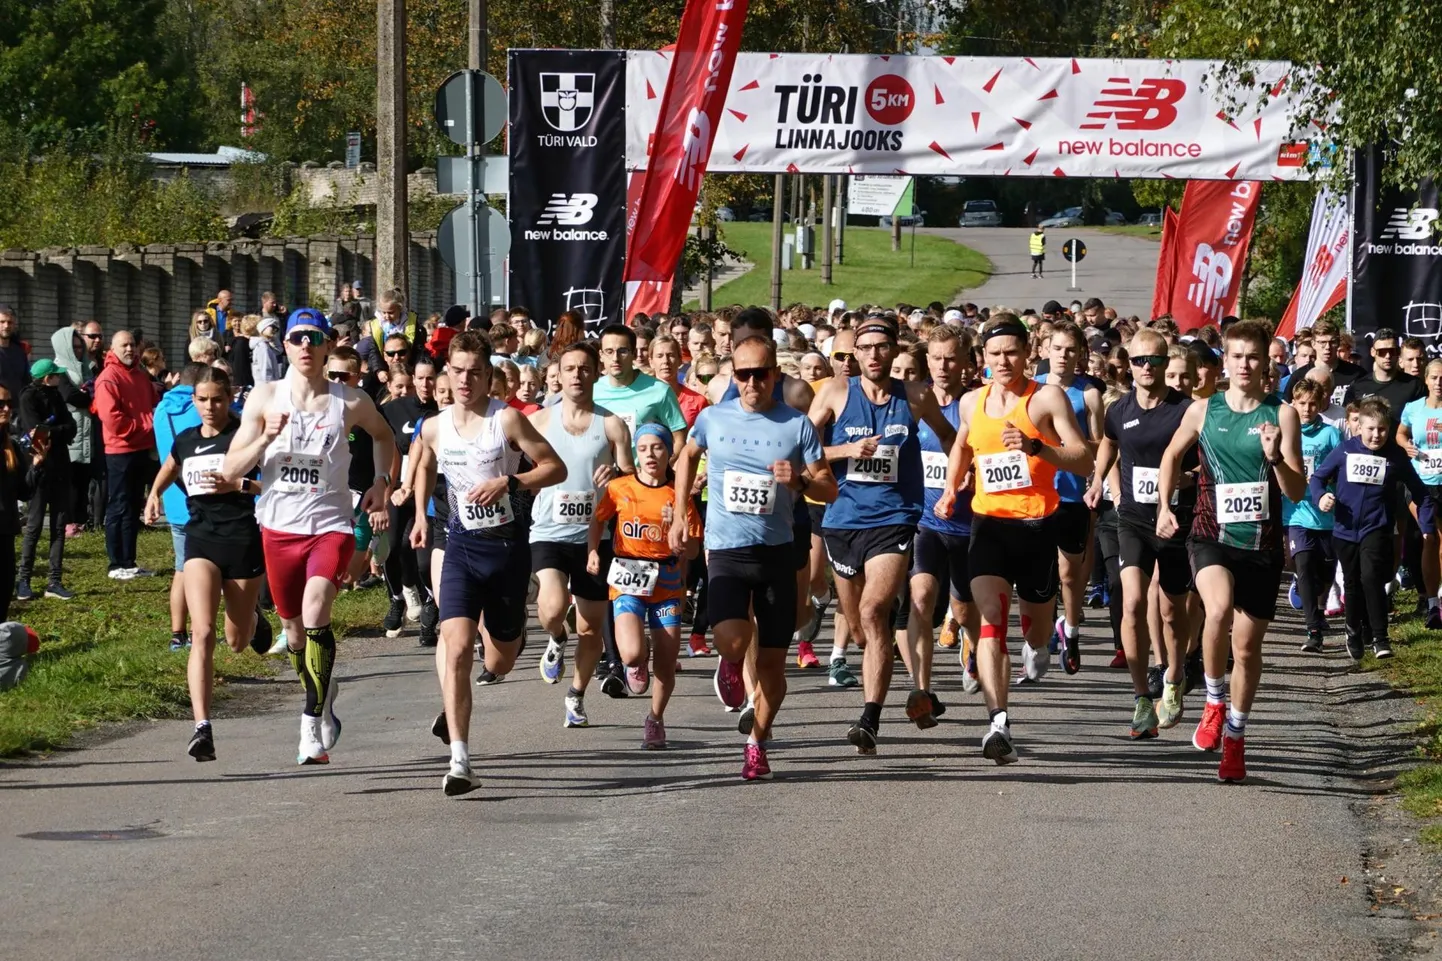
[[872, 273], [105, 656], [1132, 230], [1416, 667]]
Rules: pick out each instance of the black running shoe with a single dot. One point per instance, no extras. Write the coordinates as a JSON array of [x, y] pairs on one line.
[[1355, 647], [918, 709], [1381, 648], [369, 581], [202, 744], [1156, 677], [264, 634], [613, 683], [1194, 674], [863, 738], [937, 708], [1313, 643], [430, 616], [395, 617], [441, 729], [487, 677]]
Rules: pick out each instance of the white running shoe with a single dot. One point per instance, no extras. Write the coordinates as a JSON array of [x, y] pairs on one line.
[[576, 712], [329, 723], [280, 646], [553, 662], [459, 780], [311, 750], [413, 603], [1034, 663], [996, 745]]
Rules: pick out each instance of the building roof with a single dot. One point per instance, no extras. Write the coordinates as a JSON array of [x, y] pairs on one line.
[[223, 157]]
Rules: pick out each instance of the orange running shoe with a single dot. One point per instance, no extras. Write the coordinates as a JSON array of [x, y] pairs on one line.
[[1233, 769], [950, 633], [698, 646], [806, 656], [1208, 736], [1119, 660]]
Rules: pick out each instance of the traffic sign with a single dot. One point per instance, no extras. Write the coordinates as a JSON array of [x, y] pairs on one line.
[[454, 241], [451, 174], [487, 112], [1074, 250]]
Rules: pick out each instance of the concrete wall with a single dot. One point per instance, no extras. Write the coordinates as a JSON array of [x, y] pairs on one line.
[[155, 288], [337, 185]]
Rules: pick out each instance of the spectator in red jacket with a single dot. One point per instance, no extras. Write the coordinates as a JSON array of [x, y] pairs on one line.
[[125, 398]]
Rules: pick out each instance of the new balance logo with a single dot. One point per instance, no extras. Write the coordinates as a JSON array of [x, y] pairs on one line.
[[1213, 272], [1414, 223], [1150, 105], [569, 209]]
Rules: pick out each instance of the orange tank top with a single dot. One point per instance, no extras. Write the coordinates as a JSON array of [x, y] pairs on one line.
[[1009, 483]]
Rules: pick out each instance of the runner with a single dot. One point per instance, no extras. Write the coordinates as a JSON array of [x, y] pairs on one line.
[[1309, 530], [409, 405], [762, 455], [594, 445], [477, 443], [939, 553], [294, 429], [1251, 455], [646, 574], [1421, 436], [869, 423], [223, 552], [1066, 351], [1138, 429], [1019, 433], [344, 367], [843, 364]]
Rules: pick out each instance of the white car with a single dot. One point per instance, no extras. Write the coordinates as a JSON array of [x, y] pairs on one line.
[[1150, 219], [980, 213], [1070, 217]]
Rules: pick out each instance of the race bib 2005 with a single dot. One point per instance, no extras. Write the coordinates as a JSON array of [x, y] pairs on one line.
[[879, 468]]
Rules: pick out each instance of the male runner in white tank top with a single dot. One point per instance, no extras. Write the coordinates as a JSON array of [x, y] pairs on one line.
[[477, 443], [296, 429]]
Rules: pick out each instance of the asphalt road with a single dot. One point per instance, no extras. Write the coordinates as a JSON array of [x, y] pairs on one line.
[[1121, 270], [579, 844]]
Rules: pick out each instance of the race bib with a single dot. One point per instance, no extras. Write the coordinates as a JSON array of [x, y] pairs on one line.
[[1145, 486], [630, 421], [573, 507], [1431, 460], [1339, 395], [933, 469], [879, 468], [477, 517], [301, 474], [1007, 471], [1366, 469], [1107, 494], [633, 577], [1309, 464], [196, 470], [749, 493], [1242, 503]]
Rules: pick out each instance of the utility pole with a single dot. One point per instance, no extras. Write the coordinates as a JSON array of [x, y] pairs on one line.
[[828, 200], [476, 36], [841, 218], [392, 226], [776, 211], [608, 24]]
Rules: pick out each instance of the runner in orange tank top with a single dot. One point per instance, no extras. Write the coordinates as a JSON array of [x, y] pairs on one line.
[[1016, 434]]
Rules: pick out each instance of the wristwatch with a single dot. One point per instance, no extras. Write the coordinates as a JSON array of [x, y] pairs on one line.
[[512, 484], [1034, 446]]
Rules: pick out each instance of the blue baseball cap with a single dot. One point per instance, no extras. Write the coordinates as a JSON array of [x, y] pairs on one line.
[[307, 317]]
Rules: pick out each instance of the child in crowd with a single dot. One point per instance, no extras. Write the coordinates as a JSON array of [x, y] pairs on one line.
[[1309, 530]]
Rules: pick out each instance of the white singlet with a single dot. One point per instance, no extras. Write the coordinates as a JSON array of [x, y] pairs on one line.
[[563, 513], [468, 461], [305, 471]]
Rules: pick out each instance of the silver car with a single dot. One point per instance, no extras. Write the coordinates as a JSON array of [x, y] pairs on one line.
[[980, 213]]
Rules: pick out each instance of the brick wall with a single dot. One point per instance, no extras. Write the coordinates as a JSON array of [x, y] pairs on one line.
[[156, 288]]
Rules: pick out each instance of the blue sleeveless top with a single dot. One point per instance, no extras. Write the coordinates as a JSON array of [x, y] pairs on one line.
[[800, 517], [1071, 487], [960, 523], [863, 504]]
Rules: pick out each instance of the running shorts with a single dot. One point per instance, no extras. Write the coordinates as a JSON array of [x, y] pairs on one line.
[[570, 560], [439, 533], [1303, 539], [801, 548], [1020, 552], [238, 557], [1073, 524], [943, 556], [817, 513], [291, 560], [1427, 511], [487, 579], [849, 550], [1141, 547], [1256, 575], [760, 580], [658, 615]]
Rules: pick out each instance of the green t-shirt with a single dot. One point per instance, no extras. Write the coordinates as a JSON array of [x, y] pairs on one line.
[[645, 401]]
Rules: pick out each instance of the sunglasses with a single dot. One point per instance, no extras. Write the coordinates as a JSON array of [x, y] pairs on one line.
[[91, 336], [1150, 360], [704, 378], [396, 353], [4, 403], [744, 375], [842, 356], [338, 375], [1385, 351], [299, 337]]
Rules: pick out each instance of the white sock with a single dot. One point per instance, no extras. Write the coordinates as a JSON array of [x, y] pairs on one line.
[[821, 600], [202, 723], [460, 752], [751, 739], [1431, 603], [999, 719], [1236, 723], [1069, 627], [1216, 690], [838, 653]]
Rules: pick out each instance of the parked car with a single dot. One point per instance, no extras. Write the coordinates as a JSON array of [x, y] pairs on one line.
[[1151, 218], [917, 219], [1115, 219], [1070, 217], [725, 214], [762, 215], [980, 213]]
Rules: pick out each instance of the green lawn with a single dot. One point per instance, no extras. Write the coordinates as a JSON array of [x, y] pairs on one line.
[[872, 273], [1132, 230], [1416, 667], [105, 655]]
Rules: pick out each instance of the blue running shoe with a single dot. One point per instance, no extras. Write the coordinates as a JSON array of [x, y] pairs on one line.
[[1294, 596], [553, 662]]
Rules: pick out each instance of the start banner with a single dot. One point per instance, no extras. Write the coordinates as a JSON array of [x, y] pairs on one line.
[[990, 116]]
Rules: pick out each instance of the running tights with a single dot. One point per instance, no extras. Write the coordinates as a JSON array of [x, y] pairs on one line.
[[402, 567], [1367, 567]]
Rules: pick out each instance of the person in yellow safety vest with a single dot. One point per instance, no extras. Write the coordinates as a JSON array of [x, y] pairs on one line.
[[1037, 244], [390, 310]]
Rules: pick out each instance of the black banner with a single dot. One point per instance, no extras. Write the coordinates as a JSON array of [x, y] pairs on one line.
[[568, 183], [1396, 255]]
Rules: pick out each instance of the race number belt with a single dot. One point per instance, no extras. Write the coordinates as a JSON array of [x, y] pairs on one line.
[[1007, 471], [633, 576], [879, 468], [749, 493]]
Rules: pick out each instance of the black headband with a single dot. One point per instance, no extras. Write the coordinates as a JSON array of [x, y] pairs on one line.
[[1008, 328], [875, 328]]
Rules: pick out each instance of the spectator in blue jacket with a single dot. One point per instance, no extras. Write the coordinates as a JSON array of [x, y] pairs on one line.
[[177, 413]]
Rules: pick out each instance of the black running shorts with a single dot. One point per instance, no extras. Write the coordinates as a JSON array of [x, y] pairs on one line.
[[760, 579], [1141, 547], [849, 550], [1020, 552], [570, 560], [1256, 575], [238, 555], [1073, 524], [944, 557]]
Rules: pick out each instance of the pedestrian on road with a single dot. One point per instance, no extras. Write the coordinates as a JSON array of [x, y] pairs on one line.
[[1036, 243]]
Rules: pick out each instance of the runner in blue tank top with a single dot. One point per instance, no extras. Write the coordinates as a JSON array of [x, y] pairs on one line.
[[869, 428], [1067, 353]]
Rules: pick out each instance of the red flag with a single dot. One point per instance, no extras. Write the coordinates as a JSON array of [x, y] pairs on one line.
[[1166, 265], [1211, 241], [690, 113]]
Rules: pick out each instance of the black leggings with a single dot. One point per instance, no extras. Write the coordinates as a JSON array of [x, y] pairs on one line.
[[1315, 571], [1367, 567], [52, 501], [402, 567], [1109, 548]]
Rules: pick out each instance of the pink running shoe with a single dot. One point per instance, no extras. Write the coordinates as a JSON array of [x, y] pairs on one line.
[[729, 685], [655, 737], [755, 768], [637, 680]]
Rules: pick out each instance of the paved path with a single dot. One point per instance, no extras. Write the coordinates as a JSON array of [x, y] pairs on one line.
[[1121, 270], [581, 845]]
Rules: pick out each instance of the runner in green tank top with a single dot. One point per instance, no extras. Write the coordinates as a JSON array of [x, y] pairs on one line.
[[1251, 453]]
